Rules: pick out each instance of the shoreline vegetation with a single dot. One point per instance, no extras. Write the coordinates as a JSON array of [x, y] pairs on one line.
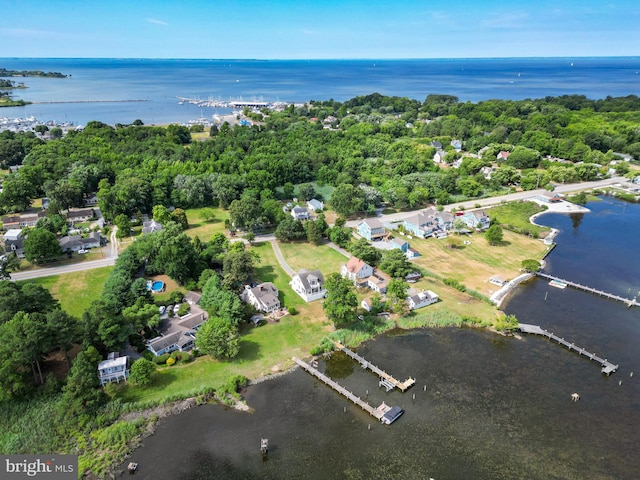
[[5, 98], [377, 137]]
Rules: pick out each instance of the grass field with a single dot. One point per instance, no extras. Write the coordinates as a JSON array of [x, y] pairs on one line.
[[473, 265], [312, 257], [269, 270], [75, 291], [204, 230], [517, 214]]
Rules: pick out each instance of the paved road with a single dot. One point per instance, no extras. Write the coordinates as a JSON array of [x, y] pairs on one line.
[[112, 249], [485, 202]]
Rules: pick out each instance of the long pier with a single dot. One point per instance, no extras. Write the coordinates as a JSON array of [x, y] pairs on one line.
[[375, 412], [387, 381], [630, 302], [607, 367]]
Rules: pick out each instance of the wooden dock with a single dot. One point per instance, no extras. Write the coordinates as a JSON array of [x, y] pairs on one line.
[[375, 412], [607, 367], [630, 302], [387, 381]]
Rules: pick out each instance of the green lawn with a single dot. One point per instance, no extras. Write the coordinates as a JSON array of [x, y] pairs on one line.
[[75, 291], [517, 214], [204, 230], [269, 270], [263, 350], [312, 257]]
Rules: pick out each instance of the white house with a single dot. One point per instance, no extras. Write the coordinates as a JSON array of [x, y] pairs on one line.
[[113, 369], [439, 156], [315, 205], [300, 213], [264, 297], [422, 299], [309, 285], [179, 340]]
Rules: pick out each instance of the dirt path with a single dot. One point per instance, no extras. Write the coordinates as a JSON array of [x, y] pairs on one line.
[[283, 263]]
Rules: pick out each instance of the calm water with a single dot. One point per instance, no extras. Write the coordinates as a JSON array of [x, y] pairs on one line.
[[493, 408], [158, 82]]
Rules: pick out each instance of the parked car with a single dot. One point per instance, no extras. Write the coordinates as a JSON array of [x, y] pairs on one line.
[[82, 250], [162, 309], [176, 307]]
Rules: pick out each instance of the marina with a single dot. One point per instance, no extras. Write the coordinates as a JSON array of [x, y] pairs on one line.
[[383, 412], [607, 367], [561, 283], [387, 381]]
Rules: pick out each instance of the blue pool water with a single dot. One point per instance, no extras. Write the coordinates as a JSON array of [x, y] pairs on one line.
[[157, 286]]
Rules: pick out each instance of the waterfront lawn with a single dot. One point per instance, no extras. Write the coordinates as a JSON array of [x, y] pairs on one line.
[[516, 215], [75, 291], [312, 257], [264, 350], [203, 229], [473, 265], [269, 270]]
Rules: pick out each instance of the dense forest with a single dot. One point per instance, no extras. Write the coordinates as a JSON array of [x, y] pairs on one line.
[[371, 150]]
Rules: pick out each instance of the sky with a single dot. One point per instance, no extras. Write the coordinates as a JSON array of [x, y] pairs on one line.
[[321, 29]]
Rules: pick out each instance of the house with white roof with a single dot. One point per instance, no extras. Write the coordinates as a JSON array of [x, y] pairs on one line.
[[113, 369], [309, 284], [13, 242]]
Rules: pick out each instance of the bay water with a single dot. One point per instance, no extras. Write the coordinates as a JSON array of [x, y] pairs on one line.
[[122, 90], [484, 406]]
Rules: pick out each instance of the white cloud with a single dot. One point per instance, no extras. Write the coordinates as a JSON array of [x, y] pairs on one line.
[[155, 21]]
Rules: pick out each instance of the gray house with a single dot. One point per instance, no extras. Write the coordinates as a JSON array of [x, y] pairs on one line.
[[73, 243]]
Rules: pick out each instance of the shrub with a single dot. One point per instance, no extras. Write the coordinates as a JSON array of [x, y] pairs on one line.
[[184, 309], [177, 355], [171, 361], [292, 310], [161, 359], [451, 282]]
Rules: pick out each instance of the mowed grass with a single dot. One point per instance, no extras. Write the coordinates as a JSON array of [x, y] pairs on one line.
[[75, 291], [473, 265], [312, 257], [202, 229], [269, 270], [264, 350], [517, 215]]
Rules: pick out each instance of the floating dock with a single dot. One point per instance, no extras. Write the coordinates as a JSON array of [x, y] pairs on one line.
[[607, 367], [387, 381], [630, 302], [383, 412]]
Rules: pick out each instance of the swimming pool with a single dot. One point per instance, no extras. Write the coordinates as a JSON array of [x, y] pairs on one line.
[[156, 286]]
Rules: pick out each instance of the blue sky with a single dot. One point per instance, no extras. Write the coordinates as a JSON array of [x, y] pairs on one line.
[[301, 29]]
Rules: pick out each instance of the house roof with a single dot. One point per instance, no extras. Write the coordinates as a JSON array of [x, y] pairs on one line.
[[436, 144], [503, 154], [80, 212], [192, 297], [113, 362], [266, 293], [400, 242], [193, 321], [316, 204], [13, 234], [307, 276], [373, 223], [299, 209], [161, 343], [355, 264]]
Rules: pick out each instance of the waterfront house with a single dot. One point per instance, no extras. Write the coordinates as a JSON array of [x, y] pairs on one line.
[[179, 340], [315, 205], [445, 220], [309, 284], [422, 299], [264, 297], [13, 242], [300, 213], [151, 226], [113, 369], [497, 280], [371, 229], [477, 219]]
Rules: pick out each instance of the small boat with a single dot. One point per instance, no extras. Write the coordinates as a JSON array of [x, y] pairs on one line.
[[558, 284], [132, 467], [391, 415]]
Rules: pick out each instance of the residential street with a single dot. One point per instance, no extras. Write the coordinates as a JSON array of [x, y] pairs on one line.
[[111, 250]]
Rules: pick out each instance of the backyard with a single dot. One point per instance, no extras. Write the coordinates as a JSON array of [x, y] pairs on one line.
[[312, 257]]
